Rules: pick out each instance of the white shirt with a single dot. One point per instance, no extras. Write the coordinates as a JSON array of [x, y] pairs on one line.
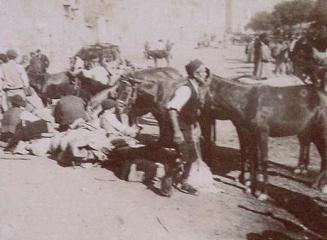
[[182, 95]]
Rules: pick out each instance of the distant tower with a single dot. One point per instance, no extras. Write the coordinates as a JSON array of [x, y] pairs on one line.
[[228, 16]]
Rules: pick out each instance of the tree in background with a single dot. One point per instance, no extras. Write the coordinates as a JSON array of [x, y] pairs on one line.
[[284, 15], [319, 12], [292, 12], [261, 21]]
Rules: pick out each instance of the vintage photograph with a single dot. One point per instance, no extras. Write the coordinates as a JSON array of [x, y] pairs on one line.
[[163, 119]]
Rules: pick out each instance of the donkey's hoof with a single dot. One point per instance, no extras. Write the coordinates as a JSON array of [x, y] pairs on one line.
[[247, 183], [297, 170], [248, 190], [304, 172], [260, 178], [262, 197]]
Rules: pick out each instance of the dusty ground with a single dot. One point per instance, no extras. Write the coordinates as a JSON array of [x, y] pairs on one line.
[[40, 200]]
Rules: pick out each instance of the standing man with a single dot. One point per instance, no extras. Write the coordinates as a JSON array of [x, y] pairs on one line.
[[183, 111], [266, 66], [14, 77], [44, 61], [256, 56]]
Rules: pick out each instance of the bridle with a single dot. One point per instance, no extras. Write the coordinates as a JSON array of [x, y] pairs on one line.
[[127, 102]]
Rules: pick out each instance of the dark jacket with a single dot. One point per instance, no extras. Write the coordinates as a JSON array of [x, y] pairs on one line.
[[188, 115]]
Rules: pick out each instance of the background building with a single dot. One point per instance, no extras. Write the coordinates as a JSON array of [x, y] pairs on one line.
[[61, 27]]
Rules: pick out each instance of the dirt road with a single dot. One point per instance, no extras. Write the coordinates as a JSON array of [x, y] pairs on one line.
[[40, 200]]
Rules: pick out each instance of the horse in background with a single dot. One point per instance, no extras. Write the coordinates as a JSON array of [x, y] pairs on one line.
[[49, 86], [159, 53]]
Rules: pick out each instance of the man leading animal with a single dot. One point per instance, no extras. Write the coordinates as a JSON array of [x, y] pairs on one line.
[[183, 112]]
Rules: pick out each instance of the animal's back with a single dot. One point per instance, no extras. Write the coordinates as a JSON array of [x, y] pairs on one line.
[[288, 109], [284, 110]]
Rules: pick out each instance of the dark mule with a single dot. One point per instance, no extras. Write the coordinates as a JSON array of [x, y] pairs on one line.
[[159, 54], [142, 92], [49, 86], [148, 91], [261, 111]]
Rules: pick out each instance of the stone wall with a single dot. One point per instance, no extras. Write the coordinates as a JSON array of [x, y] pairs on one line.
[[59, 31], [27, 25]]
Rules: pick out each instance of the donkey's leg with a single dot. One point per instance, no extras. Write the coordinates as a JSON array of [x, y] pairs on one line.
[[302, 167], [244, 149], [206, 129], [321, 143], [155, 60], [262, 134], [253, 157]]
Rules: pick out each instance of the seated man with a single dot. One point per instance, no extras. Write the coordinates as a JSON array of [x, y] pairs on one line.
[[12, 117], [21, 125], [69, 109]]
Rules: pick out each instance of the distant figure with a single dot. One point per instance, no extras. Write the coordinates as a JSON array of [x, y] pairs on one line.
[[302, 57], [44, 61], [3, 98], [280, 52], [256, 55], [249, 51], [160, 45], [265, 67], [164, 53]]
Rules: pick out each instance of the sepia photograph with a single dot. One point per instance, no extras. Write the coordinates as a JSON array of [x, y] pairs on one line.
[[163, 119]]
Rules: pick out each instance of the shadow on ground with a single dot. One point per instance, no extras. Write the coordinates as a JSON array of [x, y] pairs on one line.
[[311, 216], [224, 160]]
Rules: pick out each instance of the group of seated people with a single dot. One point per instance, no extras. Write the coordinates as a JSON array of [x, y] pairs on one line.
[[19, 124], [69, 134]]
